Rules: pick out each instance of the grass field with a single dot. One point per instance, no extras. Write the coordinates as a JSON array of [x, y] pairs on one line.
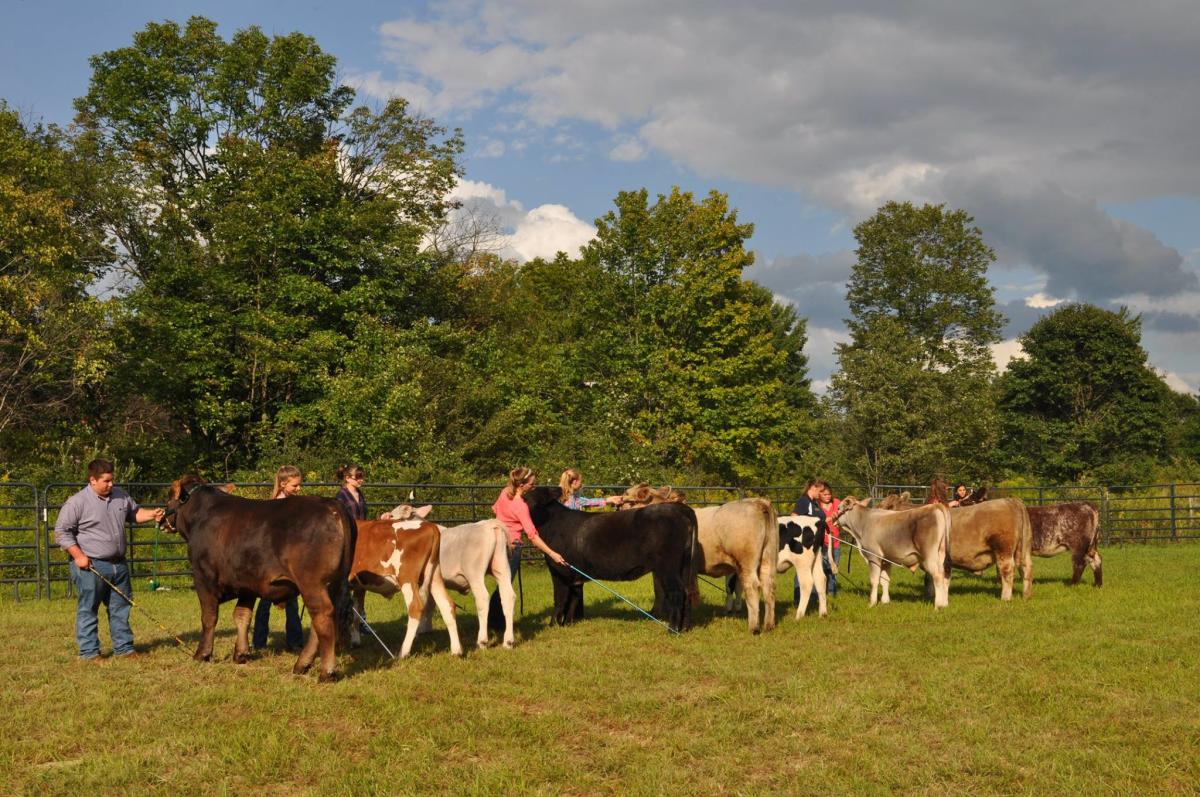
[[1077, 690]]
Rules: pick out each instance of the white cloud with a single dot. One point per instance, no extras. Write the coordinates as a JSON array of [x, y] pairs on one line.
[[547, 230], [523, 235], [1177, 383], [1004, 351], [1041, 300], [492, 148], [627, 148]]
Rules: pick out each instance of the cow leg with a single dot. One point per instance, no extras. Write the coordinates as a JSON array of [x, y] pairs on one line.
[[322, 639], [477, 587], [885, 583], [660, 597], [1005, 567], [508, 602], [876, 572], [445, 605], [1094, 562], [766, 580], [752, 589], [937, 584], [805, 576], [822, 587], [241, 620], [561, 590], [208, 624], [412, 600], [1078, 562], [355, 635]]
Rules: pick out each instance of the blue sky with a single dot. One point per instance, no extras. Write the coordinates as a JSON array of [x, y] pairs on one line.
[[1069, 132]]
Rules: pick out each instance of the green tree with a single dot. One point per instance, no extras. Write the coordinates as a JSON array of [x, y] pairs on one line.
[[1082, 403], [914, 383], [54, 337], [262, 218], [710, 374]]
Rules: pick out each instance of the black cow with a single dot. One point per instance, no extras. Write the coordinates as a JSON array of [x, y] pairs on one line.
[[617, 546], [243, 549]]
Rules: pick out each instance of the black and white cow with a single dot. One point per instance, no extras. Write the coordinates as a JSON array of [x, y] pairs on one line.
[[802, 538]]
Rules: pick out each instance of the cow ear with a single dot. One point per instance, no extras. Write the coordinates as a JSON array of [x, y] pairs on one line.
[[865, 502], [424, 511], [229, 488]]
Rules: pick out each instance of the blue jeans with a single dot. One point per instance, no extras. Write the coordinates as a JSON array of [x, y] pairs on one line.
[[495, 610], [837, 558], [292, 630], [92, 593]]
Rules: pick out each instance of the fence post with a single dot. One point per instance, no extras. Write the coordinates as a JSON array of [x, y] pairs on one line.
[[1104, 519], [1041, 496], [1174, 526]]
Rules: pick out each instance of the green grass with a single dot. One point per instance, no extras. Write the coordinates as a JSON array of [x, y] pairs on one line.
[[1074, 691]]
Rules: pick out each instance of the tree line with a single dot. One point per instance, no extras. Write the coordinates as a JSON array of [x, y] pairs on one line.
[[225, 264]]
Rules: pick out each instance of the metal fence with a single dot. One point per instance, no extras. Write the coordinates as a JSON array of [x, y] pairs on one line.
[[31, 563], [1130, 513]]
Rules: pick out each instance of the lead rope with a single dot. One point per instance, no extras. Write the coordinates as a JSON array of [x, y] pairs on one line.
[[117, 590], [622, 597]]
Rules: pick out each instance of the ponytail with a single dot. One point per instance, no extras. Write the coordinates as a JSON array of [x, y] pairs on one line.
[[517, 477]]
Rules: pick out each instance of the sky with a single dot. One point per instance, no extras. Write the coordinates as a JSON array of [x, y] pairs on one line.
[[1069, 130]]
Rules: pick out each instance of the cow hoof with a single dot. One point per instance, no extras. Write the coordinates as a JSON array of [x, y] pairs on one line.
[[299, 670], [355, 643], [202, 657], [240, 658], [328, 678]]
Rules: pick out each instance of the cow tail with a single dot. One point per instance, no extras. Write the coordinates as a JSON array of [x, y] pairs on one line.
[[1093, 552], [770, 552], [1025, 551], [343, 601], [944, 540]]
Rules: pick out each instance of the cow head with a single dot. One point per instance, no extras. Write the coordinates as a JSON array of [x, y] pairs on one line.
[[543, 496], [897, 501], [408, 512], [408, 518], [642, 494], [181, 490]]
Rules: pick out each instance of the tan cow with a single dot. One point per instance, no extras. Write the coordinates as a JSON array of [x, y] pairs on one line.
[[738, 538], [402, 556], [916, 538], [996, 532]]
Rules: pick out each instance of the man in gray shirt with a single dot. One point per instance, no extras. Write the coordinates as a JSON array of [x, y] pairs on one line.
[[91, 529]]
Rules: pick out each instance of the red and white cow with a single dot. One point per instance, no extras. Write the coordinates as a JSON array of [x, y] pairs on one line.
[[402, 556]]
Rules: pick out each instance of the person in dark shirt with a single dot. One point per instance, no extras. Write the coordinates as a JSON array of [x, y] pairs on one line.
[[808, 504]]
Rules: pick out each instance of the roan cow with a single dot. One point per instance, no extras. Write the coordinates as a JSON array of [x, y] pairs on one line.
[[1073, 527], [275, 550], [403, 556]]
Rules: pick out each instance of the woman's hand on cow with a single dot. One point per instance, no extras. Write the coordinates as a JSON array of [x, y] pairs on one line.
[[557, 558]]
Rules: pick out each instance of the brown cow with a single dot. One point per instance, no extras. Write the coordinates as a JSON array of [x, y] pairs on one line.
[[1070, 527], [402, 556], [243, 549]]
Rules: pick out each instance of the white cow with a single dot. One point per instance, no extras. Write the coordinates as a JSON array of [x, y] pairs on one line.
[[468, 553], [802, 538]]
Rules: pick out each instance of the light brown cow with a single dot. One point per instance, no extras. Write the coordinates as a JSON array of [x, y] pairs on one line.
[[1073, 527], [916, 538], [402, 556], [996, 532], [738, 538]]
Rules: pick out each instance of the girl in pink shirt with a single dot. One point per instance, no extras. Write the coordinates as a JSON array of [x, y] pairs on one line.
[[513, 512]]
